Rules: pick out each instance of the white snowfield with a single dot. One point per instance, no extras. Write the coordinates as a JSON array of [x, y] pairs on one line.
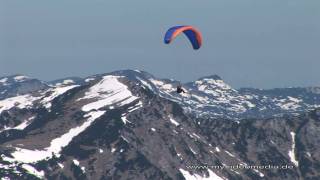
[[162, 85], [290, 103], [109, 91], [291, 152], [76, 162], [166, 90], [27, 100], [145, 84], [20, 78], [188, 176], [23, 101], [208, 93], [131, 109], [30, 169], [24, 124], [21, 126], [135, 107], [230, 154], [173, 121], [61, 165], [258, 172], [56, 145], [33, 171], [217, 92], [3, 81], [55, 92], [124, 119], [193, 151], [217, 149], [203, 85], [218, 96], [89, 79], [65, 82]]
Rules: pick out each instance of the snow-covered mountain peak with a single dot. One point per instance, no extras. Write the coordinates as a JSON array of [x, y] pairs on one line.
[[17, 85], [67, 81], [20, 78], [3, 81], [107, 92], [7, 80], [209, 84]]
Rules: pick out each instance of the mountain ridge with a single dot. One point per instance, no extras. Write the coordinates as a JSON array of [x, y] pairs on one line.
[[131, 125], [210, 95]]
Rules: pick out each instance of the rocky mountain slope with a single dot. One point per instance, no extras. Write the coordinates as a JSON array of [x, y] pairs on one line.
[[131, 125]]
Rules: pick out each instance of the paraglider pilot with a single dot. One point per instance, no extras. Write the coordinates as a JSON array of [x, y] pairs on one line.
[[180, 89]]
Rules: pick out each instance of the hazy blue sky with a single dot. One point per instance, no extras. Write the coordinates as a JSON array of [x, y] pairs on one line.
[[259, 43]]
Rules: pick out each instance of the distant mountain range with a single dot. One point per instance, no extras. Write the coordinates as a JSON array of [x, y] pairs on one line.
[[208, 96], [131, 125]]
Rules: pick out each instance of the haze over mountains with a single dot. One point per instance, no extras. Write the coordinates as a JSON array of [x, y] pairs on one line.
[[130, 124]]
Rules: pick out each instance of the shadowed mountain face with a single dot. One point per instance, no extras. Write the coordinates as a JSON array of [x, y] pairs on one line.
[[131, 125]]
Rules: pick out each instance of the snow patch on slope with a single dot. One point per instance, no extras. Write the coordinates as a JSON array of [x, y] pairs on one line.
[[124, 119], [21, 102], [109, 91], [56, 145], [21, 126], [33, 171], [292, 151], [20, 78], [3, 81], [162, 86], [65, 82], [24, 124], [173, 121], [289, 103], [55, 92], [89, 79], [76, 162], [145, 83], [130, 109], [217, 149], [193, 151], [230, 154], [260, 173]]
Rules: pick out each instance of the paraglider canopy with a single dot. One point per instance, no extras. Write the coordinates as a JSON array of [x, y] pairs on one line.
[[193, 35]]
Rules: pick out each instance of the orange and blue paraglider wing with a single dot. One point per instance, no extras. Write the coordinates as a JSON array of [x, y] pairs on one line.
[[193, 35]]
